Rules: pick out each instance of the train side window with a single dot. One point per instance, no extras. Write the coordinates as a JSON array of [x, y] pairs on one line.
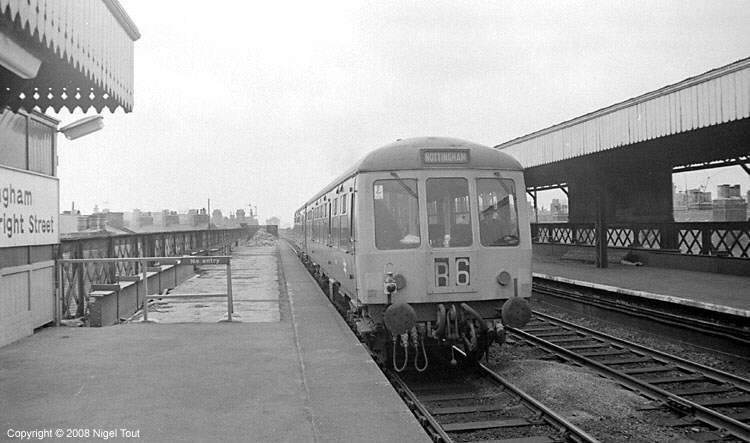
[[448, 210], [496, 198], [396, 214]]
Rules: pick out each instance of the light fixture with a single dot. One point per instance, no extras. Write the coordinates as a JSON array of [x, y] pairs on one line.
[[82, 127], [16, 59]]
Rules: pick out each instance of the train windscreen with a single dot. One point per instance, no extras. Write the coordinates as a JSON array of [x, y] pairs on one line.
[[498, 225], [396, 214], [448, 211]]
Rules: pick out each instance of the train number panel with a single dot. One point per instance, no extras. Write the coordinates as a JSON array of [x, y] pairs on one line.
[[452, 273]]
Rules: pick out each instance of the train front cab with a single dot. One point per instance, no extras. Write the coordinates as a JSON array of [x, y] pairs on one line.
[[444, 254]]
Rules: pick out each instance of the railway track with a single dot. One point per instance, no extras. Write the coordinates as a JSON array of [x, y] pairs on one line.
[[714, 330], [479, 405], [700, 395]]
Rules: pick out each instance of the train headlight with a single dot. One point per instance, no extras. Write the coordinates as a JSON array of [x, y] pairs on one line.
[[389, 285], [503, 278]]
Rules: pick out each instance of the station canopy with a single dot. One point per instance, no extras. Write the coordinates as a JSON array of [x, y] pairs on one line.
[[66, 54], [700, 122]]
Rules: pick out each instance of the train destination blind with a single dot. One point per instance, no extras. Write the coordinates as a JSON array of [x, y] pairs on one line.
[[444, 157]]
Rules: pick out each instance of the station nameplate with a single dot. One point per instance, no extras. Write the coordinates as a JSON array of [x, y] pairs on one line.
[[29, 207]]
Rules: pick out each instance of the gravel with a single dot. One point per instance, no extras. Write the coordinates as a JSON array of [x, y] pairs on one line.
[[598, 406]]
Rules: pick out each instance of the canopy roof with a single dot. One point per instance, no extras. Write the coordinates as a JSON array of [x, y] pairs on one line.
[[86, 53], [713, 98]]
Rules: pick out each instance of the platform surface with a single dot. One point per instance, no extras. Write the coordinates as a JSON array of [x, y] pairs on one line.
[[719, 292], [298, 375]]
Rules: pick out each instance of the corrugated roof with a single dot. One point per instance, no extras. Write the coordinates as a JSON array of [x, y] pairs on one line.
[[717, 96]]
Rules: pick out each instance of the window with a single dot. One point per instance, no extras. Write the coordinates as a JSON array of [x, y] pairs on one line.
[[448, 210], [396, 214], [498, 225]]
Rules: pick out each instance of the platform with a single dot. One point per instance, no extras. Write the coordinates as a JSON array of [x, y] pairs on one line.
[[716, 292], [294, 373]]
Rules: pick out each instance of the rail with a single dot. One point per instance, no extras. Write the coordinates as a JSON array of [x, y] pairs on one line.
[[144, 261], [728, 239]]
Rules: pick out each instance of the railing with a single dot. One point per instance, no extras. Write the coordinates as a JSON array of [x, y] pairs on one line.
[[75, 278], [729, 239], [144, 265]]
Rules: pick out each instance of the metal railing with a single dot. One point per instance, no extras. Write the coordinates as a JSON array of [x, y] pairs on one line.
[[729, 239], [76, 278], [144, 266]]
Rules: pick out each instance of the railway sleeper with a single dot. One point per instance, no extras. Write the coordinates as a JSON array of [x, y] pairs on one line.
[[589, 346], [703, 390], [624, 361], [730, 401], [665, 380], [543, 328], [571, 340], [648, 369], [466, 409], [555, 334], [604, 353], [489, 424]]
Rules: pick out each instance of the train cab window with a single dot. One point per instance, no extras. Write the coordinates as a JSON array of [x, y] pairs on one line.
[[498, 214], [449, 217], [396, 214]]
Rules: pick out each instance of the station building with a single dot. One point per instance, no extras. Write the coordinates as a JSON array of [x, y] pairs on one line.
[[53, 55]]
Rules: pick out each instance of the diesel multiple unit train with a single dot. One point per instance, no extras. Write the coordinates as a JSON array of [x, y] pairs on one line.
[[423, 244]]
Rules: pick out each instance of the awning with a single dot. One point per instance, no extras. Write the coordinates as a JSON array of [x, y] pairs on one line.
[[86, 53]]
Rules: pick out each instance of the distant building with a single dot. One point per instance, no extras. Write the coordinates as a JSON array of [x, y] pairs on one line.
[[273, 221], [729, 206], [166, 218], [137, 219]]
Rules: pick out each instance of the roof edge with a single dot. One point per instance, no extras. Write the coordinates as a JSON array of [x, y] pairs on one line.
[[123, 18], [686, 83]]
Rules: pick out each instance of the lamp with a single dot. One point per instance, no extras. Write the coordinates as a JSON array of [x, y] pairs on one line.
[[82, 127]]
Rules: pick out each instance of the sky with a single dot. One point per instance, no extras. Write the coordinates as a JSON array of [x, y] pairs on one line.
[[264, 103]]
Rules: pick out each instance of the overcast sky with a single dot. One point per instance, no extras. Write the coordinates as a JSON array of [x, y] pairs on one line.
[[266, 102]]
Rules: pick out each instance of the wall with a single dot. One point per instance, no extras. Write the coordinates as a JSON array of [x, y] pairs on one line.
[[27, 278]]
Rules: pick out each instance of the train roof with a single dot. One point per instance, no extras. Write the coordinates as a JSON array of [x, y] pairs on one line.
[[407, 154]]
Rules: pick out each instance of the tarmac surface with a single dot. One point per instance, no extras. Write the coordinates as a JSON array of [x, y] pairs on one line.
[[718, 292], [295, 373]]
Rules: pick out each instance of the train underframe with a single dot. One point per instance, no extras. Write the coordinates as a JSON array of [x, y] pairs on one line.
[[404, 335]]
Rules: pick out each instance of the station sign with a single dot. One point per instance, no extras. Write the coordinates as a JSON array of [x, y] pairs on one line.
[[29, 208], [205, 261], [445, 156]]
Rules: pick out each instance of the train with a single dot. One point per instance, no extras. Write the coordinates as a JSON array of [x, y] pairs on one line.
[[424, 244]]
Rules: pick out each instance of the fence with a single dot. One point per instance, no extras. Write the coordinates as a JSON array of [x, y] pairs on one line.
[[144, 263], [75, 278], [730, 239]]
